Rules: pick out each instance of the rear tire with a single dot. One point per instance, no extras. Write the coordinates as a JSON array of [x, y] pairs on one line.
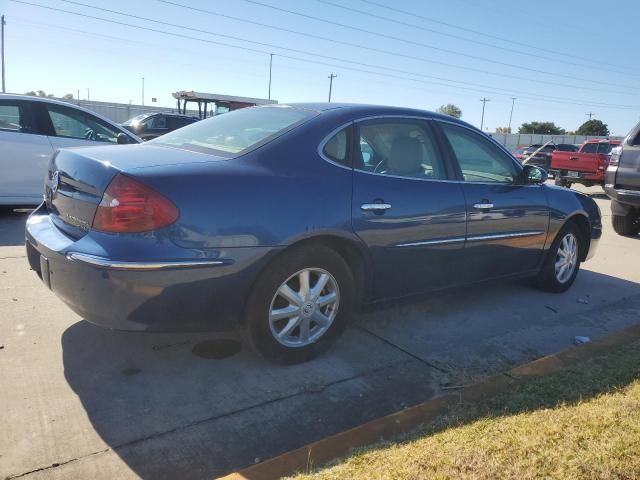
[[552, 277], [628, 224], [561, 182], [318, 321]]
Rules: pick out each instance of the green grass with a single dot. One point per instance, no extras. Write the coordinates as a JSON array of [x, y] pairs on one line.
[[581, 422]]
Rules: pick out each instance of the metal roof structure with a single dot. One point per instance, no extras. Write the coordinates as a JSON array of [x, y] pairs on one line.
[[221, 103]]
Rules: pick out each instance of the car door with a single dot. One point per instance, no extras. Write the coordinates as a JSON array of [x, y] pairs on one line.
[[70, 127], [24, 153], [507, 221], [405, 207]]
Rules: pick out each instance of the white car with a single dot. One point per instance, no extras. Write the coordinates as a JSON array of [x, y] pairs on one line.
[[31, 129]]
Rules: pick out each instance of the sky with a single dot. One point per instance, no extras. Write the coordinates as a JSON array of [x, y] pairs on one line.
[[560, 60]]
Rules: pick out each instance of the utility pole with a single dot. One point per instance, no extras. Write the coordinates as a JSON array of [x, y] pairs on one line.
[[143, 91], [513, 101], [2, 24], [270, 66], [590, 114], [484, 102], [87, 94], [331, 77]]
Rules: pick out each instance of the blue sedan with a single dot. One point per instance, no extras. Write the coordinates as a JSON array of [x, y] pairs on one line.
[[280, 220]]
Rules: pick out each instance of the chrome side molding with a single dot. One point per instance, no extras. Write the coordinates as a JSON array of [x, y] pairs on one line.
[[125, 265]]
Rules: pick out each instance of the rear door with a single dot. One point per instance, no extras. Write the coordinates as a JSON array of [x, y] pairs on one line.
[[69, 127], [24, 153], [405, 207], [507, 221]]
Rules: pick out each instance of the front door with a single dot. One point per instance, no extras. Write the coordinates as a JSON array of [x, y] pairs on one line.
[[405, 208], [507, 221]]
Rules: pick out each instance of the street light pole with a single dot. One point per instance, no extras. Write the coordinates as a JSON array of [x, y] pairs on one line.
[[331, 77], [143, 91], [270, 66], [2, 24], [513, 101], [484, 101]]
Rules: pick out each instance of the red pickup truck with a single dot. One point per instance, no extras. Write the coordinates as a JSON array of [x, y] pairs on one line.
[[586, 166]]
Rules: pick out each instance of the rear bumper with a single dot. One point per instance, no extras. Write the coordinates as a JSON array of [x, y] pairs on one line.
[[583, 177], [188, 292], [625, 197]]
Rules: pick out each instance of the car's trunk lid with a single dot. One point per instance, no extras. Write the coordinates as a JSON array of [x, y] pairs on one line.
[[78, 177]]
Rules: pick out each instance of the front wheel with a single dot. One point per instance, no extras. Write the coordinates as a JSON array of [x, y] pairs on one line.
[[299, 305], [562, 264], [561, 182]]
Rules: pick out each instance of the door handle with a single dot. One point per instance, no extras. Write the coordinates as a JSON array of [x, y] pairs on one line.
[[573, 158], [483, 205], [375, 207]]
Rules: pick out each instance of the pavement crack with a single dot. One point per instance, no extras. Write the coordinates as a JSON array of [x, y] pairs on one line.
[[303, 390], [13, 256], [403, 350]]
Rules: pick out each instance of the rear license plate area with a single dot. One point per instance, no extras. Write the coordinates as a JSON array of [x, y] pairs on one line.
[[573, 174]]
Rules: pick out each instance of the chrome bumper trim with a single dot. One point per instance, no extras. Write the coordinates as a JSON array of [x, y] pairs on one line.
[[123, 265]]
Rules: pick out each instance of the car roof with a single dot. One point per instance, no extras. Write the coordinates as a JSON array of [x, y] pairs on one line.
[[368, 110]]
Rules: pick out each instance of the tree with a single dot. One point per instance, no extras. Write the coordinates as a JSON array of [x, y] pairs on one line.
[[68, 96], [593, 127], [451, 110], [503, 130], [544, 128], [32, 93]]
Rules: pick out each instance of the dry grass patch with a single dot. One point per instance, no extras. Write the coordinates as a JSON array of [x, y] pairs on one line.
[[582, 422]]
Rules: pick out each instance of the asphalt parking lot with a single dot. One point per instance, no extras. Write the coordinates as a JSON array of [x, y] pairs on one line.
[[83, 402]]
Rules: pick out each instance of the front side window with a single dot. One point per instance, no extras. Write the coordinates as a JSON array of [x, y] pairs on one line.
[[233, 133], [77, 124], [590, 148], [14, 117], [337, 148], [479, 159], [404, 148]]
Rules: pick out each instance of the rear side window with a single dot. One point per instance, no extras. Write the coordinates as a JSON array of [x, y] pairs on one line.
[[236, 132], [479, 159], [13, 117], [337, 148], [399, 148]]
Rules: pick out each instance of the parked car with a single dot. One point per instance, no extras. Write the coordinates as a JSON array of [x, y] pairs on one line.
[[540, 154], [152, 125], [520, 153], [278, 220], [586, 166], [31, 128], [622, 184]]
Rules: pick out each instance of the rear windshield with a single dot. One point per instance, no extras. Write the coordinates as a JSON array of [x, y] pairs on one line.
[[597, 148], [231, 134]]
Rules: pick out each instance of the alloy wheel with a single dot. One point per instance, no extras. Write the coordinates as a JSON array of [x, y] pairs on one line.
[[304, 307], [566, 258]]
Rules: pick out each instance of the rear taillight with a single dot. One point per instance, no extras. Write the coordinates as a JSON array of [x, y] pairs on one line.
[[129, 206]]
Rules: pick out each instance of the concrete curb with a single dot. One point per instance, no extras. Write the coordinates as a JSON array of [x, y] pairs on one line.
[[323, 451]]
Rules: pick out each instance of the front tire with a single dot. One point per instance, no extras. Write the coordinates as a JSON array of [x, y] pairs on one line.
[[299, 305], [628, 224], [562, 264]]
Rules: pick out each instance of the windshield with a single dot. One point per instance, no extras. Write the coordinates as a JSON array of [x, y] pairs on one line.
[[233, 133], [136, 119]]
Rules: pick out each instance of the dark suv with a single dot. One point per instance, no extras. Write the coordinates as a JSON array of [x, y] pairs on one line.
[[152, 125], [622, 184], [542, 159]]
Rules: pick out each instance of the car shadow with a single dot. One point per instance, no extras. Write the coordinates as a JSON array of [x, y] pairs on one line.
[[193, 406], [12, 226]]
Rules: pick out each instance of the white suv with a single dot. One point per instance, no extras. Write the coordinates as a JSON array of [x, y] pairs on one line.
[[31, 129]]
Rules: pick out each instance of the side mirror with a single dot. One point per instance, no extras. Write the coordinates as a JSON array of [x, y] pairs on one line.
[[534, 175], [123, 139]]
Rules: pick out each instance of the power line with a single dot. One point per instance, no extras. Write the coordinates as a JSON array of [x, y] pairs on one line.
[[475, 42], [349, 62], [271, 46], [484, 34], [413, 57]]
